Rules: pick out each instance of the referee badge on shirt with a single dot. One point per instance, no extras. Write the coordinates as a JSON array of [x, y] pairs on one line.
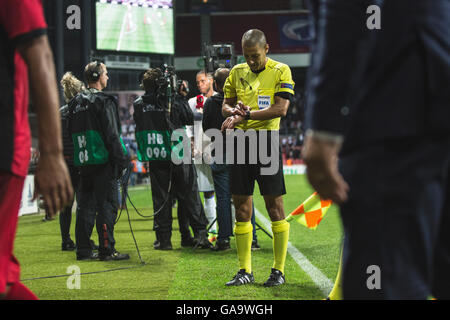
[[263, 102]]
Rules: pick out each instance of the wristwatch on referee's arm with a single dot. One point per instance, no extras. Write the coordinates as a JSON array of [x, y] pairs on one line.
[[247, 114]]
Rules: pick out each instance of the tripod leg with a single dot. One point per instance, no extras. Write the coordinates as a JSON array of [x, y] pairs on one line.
[[212, 223], [261, 228]]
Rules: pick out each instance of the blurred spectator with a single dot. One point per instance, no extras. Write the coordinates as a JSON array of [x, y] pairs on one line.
[[138, 172]]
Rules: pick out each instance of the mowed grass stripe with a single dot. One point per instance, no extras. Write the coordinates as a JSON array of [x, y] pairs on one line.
[[181, 273], [205, 278], [320, 280], [38, 248]]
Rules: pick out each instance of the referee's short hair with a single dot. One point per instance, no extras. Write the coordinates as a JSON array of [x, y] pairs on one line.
[[254, 37]]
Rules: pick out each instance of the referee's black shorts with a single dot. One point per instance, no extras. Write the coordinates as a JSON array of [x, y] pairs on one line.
[[257, 166]]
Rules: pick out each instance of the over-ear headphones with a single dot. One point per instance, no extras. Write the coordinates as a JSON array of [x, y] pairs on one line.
[[97, 71]]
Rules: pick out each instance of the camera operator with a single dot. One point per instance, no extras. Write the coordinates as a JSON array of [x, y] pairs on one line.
[[168, 180], [98, 151]]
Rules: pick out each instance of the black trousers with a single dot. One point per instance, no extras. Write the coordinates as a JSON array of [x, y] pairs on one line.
[[183, 179], [397, 220], [65, 216], [97, 204], [183, 222]]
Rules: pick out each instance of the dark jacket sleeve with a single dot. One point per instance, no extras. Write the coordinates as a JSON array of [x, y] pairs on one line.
[[110, 126], [137, 114], [339, 27], [207, 109], [68, 149], [184, 113]]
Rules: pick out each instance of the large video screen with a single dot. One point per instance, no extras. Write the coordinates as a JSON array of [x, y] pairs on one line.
[[144, 26]]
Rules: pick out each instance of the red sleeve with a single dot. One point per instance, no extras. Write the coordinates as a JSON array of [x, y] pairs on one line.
[[22, 20]]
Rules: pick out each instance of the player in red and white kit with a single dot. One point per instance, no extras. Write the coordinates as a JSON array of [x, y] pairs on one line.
[[26, 57]]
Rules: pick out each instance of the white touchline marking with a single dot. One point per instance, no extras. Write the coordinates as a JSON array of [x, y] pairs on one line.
[[321, 281]]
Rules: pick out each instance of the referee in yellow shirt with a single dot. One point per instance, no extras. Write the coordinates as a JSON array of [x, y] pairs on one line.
[[257, 94]]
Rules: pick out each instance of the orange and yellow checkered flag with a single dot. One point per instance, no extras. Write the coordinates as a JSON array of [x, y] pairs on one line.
[[311, 211]]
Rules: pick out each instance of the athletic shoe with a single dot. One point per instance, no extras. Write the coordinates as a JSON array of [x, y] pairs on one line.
[[187, 242], [68, 246], [255, 245], [201, 241], [93, 256], [204, 244], [275, 279], [222, 245], [163, 241], [115, 256], [241, 278], [157, 245], [93, 245]]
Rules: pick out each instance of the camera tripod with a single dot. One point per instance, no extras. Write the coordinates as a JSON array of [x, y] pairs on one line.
[[258, 227]]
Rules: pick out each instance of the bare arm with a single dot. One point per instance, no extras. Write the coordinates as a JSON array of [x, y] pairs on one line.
[[52, 177], [278, 109], [228, 106]]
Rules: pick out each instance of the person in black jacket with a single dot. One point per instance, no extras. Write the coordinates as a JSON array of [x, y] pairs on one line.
[[168, 179], [71, 87], [213, 119], [99, 152]]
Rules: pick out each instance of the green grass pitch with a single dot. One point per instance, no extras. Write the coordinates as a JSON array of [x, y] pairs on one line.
[[134, 29], [180, 274]]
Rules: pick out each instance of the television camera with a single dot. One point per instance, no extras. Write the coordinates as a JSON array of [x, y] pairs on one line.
[[169, 85], [219, 55]]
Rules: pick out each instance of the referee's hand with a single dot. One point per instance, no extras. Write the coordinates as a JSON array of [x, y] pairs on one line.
[[231, 122], [240, 109]]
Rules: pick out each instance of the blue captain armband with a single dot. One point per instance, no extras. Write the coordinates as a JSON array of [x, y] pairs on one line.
[[287, 86]]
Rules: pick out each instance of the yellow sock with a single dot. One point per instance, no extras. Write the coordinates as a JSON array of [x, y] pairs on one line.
[[244, 237], [336, 293], [280, 231]]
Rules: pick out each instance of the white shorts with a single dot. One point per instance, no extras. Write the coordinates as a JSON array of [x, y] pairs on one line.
[[204, 177]]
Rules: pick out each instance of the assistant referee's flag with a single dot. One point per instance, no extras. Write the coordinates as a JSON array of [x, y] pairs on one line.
[[311, 211]]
